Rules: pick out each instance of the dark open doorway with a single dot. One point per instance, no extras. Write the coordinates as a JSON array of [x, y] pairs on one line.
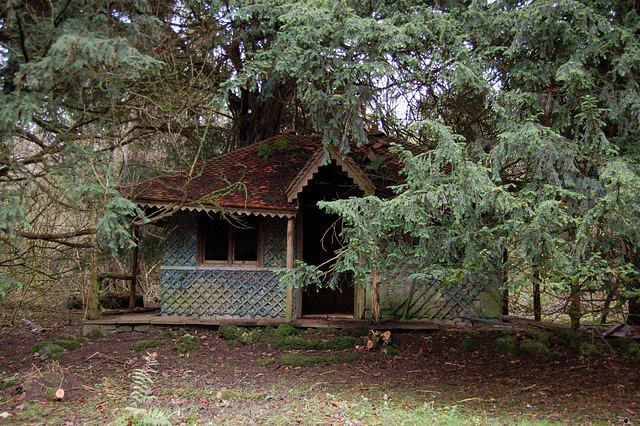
[[320, 240]]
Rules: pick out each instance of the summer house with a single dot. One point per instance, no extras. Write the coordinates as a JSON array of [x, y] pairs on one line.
[[242, 217]]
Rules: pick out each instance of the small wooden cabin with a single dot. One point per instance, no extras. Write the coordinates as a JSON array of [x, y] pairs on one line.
[[242, 217]]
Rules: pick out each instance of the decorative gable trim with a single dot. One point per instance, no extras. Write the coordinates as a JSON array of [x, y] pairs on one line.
[[306, 173], [230, 210]]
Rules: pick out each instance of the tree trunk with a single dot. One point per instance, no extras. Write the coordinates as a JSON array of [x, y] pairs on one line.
[[537, 305], [259, 115], [575, 306], [92, 309], [505, 285], [134, 269], [375, 297]]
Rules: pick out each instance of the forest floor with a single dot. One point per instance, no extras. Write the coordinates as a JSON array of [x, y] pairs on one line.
[[450, 376]]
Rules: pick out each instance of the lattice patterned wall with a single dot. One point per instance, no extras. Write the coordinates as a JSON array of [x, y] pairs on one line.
[[275, 242], [436, 301], [212, 293], [181, 241]]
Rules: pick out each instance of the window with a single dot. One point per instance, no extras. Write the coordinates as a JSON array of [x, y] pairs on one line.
[[230, 240]]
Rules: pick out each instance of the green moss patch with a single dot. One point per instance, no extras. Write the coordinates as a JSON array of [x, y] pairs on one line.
[[265, 362], [47, 350], [186, 344], [231, 332], [302, 360], [68, 344], [340, 343], [147, 344], [285, 330]]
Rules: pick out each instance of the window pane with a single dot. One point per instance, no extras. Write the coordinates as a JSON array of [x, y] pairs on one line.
[[246, 240], [216, 239]]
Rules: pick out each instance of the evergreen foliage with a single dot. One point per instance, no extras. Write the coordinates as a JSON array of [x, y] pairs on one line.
[[529, 110]]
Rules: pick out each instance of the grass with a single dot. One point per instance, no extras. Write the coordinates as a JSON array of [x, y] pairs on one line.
[[293, 402]]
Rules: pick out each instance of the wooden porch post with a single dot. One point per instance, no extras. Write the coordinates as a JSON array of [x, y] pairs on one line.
[[290, 261]]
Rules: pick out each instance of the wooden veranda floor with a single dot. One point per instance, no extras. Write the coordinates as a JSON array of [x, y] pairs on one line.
[[154, 319]]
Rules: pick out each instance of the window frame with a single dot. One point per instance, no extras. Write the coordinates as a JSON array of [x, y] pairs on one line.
[[211, 217]]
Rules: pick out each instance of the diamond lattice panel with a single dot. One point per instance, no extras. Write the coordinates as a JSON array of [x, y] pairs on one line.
[[181, 243], [207, 293], [275, 242]]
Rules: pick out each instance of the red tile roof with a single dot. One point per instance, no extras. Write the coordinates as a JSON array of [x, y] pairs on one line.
[[255, 178]]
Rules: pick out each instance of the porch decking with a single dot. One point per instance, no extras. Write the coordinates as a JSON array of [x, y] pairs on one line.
[[145, 322]]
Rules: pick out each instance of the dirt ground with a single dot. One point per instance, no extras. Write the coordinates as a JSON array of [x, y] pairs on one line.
[[449, 367]]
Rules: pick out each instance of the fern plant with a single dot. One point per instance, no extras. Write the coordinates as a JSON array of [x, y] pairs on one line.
[[142, 382]]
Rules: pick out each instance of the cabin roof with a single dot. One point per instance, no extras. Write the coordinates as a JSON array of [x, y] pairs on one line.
[[265, 177]]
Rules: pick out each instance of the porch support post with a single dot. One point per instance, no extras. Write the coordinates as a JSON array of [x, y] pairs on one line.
[[290, 260]]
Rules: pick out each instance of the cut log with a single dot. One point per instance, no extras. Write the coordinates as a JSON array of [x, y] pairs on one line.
[[378, 339], [60, 394]]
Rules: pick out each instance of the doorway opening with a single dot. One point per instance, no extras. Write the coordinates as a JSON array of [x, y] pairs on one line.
[[320, 240]]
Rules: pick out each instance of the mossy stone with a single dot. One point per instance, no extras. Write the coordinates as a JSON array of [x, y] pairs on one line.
[[48, 350], [507, 345], [569, 337], [94, 334], [534, 347]]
